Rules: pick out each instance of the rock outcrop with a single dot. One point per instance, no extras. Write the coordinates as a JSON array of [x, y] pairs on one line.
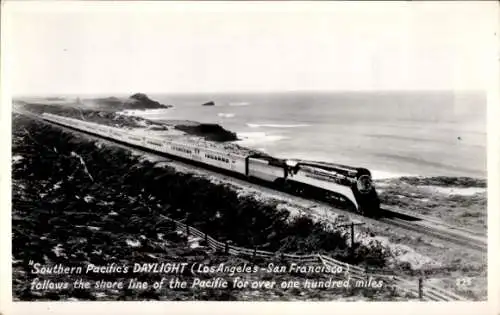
[[142, 101]]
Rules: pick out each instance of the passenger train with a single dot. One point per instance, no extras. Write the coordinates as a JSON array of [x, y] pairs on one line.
[[343, 185]]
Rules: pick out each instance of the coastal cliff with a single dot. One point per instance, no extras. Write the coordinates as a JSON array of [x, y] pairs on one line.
[[211, 132]]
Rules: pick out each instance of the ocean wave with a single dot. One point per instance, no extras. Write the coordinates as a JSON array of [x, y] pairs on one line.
[[226, 115], [249, 138], [239, 104], [277, 125]]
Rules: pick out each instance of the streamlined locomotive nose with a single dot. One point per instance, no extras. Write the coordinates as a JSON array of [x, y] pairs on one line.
[[364, 184], [366, 195]]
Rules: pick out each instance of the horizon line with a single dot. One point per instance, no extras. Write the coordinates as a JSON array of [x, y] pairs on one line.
[[121, 93]]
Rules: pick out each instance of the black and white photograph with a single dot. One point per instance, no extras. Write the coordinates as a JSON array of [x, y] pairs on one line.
[[259, 151]]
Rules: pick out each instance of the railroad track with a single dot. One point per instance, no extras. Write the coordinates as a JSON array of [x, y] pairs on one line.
[[391, 212], [395, 217], [434, 230]]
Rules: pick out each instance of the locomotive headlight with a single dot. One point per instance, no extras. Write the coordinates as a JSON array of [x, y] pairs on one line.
[[364, 184]]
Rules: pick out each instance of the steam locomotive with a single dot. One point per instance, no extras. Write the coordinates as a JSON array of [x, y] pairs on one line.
[[342, 185]]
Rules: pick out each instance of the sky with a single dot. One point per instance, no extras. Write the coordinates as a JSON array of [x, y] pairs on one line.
[[105, 48]]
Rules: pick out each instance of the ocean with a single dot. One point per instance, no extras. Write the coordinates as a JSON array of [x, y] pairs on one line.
[[391, 133]]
